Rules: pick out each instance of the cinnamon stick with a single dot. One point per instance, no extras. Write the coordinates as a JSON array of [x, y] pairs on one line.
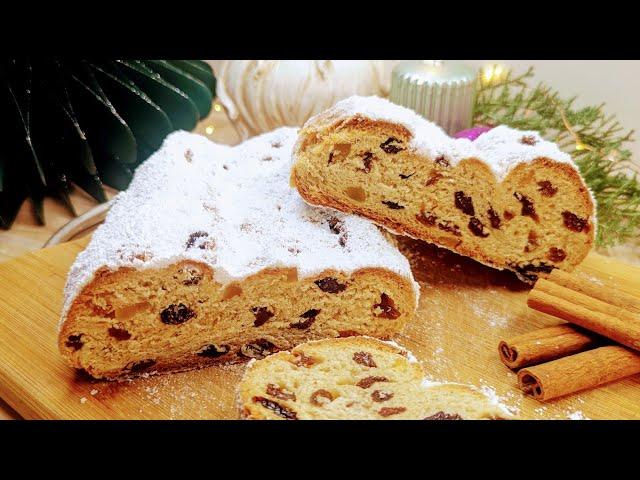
[[578, 372], [545, 344], [612, 314]]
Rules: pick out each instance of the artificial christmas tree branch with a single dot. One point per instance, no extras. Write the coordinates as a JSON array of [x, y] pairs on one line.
[[597, 143]]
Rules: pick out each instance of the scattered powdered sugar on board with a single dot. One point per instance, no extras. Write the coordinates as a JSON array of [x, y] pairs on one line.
[[247, 213], [577, 415], [498, 401]]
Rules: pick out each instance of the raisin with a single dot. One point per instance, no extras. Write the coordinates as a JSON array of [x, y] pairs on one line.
[[330, 285], [388, 148], [279, 392], [141, 365], [367, 160], [195, 236], [528, 272], [464, 203], [574, 222], [303, 360], [442, 161], [449, 226], [443, 416], [405, 177], [276, 144], [267, 158], [368, 381], [188, 155], [258, 349], [321, 394], [276, 408], [364, 358], [426, 219], [309, 317], [433, 178], [262, 314], [335, 225], [213, 351], [387, 307], [176, 314], [388, 411], [547, 189], [556, 254], [494, 218], [119, 333], [381, 396], [75, 342], [393, 205], [196, 239], [528, 209], [342, 239], [477, 228], [528, 140], [532, 240], [508, 215]]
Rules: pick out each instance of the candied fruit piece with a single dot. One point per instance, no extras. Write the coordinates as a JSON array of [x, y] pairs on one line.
[[356, 193]]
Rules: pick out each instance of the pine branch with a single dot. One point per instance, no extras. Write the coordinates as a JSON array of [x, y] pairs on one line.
[[596, 141]]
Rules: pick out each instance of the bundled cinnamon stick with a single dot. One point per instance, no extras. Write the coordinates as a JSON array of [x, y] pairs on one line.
[[607, 311], [545, 344], [578, 372]]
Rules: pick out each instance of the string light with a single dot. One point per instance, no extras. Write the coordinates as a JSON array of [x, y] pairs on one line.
[[217, 107], [209, 130], [493, 73]]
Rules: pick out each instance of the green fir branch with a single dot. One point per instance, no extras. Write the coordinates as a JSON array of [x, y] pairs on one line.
[[596, 141]]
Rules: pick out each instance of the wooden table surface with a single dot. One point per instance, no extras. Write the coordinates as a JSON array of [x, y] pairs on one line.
[[26, 235]]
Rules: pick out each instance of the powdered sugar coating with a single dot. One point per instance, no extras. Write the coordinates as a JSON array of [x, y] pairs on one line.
[[240, 198], [501, 148]]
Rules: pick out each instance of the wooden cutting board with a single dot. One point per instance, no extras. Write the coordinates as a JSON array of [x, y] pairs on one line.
[[465, 309]]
